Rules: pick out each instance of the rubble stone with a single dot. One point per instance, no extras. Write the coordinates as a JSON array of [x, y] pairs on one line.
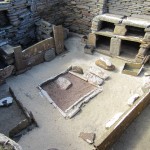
[[77, 69], [49, 55], [63, 83], [7, 141], [88, 137]]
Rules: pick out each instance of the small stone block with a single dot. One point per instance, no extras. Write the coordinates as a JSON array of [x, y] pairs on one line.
[[120, 30], [63, 83]]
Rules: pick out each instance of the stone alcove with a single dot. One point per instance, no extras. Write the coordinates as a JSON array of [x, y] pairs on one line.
[[4, 19]]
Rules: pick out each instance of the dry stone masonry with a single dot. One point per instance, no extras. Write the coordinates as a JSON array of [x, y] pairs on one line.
[[19, 17], [80, 13], [136, 8], [112, 22]]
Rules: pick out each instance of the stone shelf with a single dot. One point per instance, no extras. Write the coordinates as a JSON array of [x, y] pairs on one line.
[[136, 22], [107, 33]]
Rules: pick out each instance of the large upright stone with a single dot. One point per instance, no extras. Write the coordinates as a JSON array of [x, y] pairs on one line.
[[115, 46], [92, 39], [59, 38]]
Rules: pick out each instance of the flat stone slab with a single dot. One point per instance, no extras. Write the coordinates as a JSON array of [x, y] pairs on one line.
[[136, 22], [63, 83], [93, 79], [111, 18]]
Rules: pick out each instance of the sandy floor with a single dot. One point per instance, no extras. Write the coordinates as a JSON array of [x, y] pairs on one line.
[[56, 132]]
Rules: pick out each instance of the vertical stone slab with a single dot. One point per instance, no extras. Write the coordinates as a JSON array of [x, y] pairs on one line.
[[59, 38], [120, 30], [92, 39], [20, 64], [115, 46]]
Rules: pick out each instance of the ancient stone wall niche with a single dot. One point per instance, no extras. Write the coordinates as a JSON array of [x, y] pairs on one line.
[[135, 31], [4, 20], [129, 49], [103, 44], [107, 26]]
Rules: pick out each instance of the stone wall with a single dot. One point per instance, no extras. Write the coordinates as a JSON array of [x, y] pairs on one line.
[[22, 15], [137, 8], [76, 15], [20, 29], [51, 10], [79, 14]]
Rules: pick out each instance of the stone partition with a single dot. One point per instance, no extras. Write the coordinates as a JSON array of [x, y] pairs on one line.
[[33, 55]]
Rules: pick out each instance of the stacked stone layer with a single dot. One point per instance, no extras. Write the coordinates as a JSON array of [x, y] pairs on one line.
[[77, 15], [22, 16], [139, 8]]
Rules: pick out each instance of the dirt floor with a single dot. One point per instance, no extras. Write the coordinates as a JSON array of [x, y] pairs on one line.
[[56, 132]]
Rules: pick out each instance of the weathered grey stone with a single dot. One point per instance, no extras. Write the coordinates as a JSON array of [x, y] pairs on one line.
[[49, 55], [92, 78], [63, 83], [5, 73], [7, 141]]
